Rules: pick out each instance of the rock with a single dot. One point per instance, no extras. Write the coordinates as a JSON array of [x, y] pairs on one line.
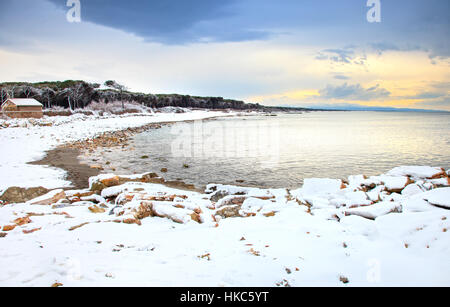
[[196, 217], [132, 221], [22, 221], [78, 226], [49, 198], [375, 210], [419, 172], [438, 197], [393, 184], [97, 167], [229, 211], [96, 209], [164, 170], [8, 227], [231, 200], [31, 231], [101, 182], [344, 280], [144, 210], [218, 195], [269, 214], [21, 195]]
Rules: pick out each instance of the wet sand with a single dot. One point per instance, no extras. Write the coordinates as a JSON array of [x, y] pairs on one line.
[[67, 159]]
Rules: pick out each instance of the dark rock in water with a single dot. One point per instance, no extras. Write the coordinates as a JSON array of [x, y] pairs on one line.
[[164, 170], [21, 195], [145, 157]]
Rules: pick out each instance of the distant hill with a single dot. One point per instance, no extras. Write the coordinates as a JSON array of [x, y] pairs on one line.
[[354, 107]]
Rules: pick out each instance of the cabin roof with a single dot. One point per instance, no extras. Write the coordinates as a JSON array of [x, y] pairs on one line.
[[24, 102]]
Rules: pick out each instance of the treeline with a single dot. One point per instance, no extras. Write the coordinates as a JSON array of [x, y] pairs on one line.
[[75, 94]]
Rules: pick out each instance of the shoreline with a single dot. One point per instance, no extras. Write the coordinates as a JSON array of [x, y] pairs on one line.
[[67, 156], [129, 229]]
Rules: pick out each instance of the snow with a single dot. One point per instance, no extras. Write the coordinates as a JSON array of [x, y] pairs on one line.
[[393, 183], [320, 186], [416, 172], [369, 245], [47, 196], [438, 197], [153, 235], [26, 141], [376, 210], [25, 102], [412, 189]]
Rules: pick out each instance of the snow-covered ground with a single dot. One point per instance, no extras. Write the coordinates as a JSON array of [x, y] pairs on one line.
[[387, 230], [151, 235], [27, 140]]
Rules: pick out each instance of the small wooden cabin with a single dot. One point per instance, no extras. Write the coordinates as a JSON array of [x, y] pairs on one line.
[[22, 108]]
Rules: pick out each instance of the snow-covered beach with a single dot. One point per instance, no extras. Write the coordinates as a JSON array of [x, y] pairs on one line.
[[387, 230], [26, 141]]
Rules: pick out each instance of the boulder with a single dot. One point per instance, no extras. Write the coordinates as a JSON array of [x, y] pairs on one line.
[[101, 182], [218, 195], [438, 197], [418, 172], [229, 211], [375, 210], [21, 195], [49, 198]]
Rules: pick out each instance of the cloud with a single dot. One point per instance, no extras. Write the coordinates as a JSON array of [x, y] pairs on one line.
[[354, 92], [341, 77], [168, 21], [409, 24], [382, 47], [344, 56]]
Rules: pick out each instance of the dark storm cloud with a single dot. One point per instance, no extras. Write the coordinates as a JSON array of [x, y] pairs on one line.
[[168, 21], [406, 24]]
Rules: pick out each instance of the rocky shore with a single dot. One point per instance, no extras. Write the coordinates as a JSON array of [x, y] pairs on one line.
[[139, 229], [404, 212], [66, 156]]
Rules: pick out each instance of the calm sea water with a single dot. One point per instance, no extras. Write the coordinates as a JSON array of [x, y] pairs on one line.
[[281, 151]]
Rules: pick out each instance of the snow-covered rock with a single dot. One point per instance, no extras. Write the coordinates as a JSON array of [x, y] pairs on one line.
[[417, 172], [375, 210], [49, 198], [438, 197]]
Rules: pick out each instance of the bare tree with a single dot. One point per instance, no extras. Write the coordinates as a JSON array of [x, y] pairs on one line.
[[76, 94], [119, 87], [3, 96], [12, 91], [28, 91], [47, 94]]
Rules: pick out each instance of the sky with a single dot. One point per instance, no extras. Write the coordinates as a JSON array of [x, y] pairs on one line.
[[309, 53]]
